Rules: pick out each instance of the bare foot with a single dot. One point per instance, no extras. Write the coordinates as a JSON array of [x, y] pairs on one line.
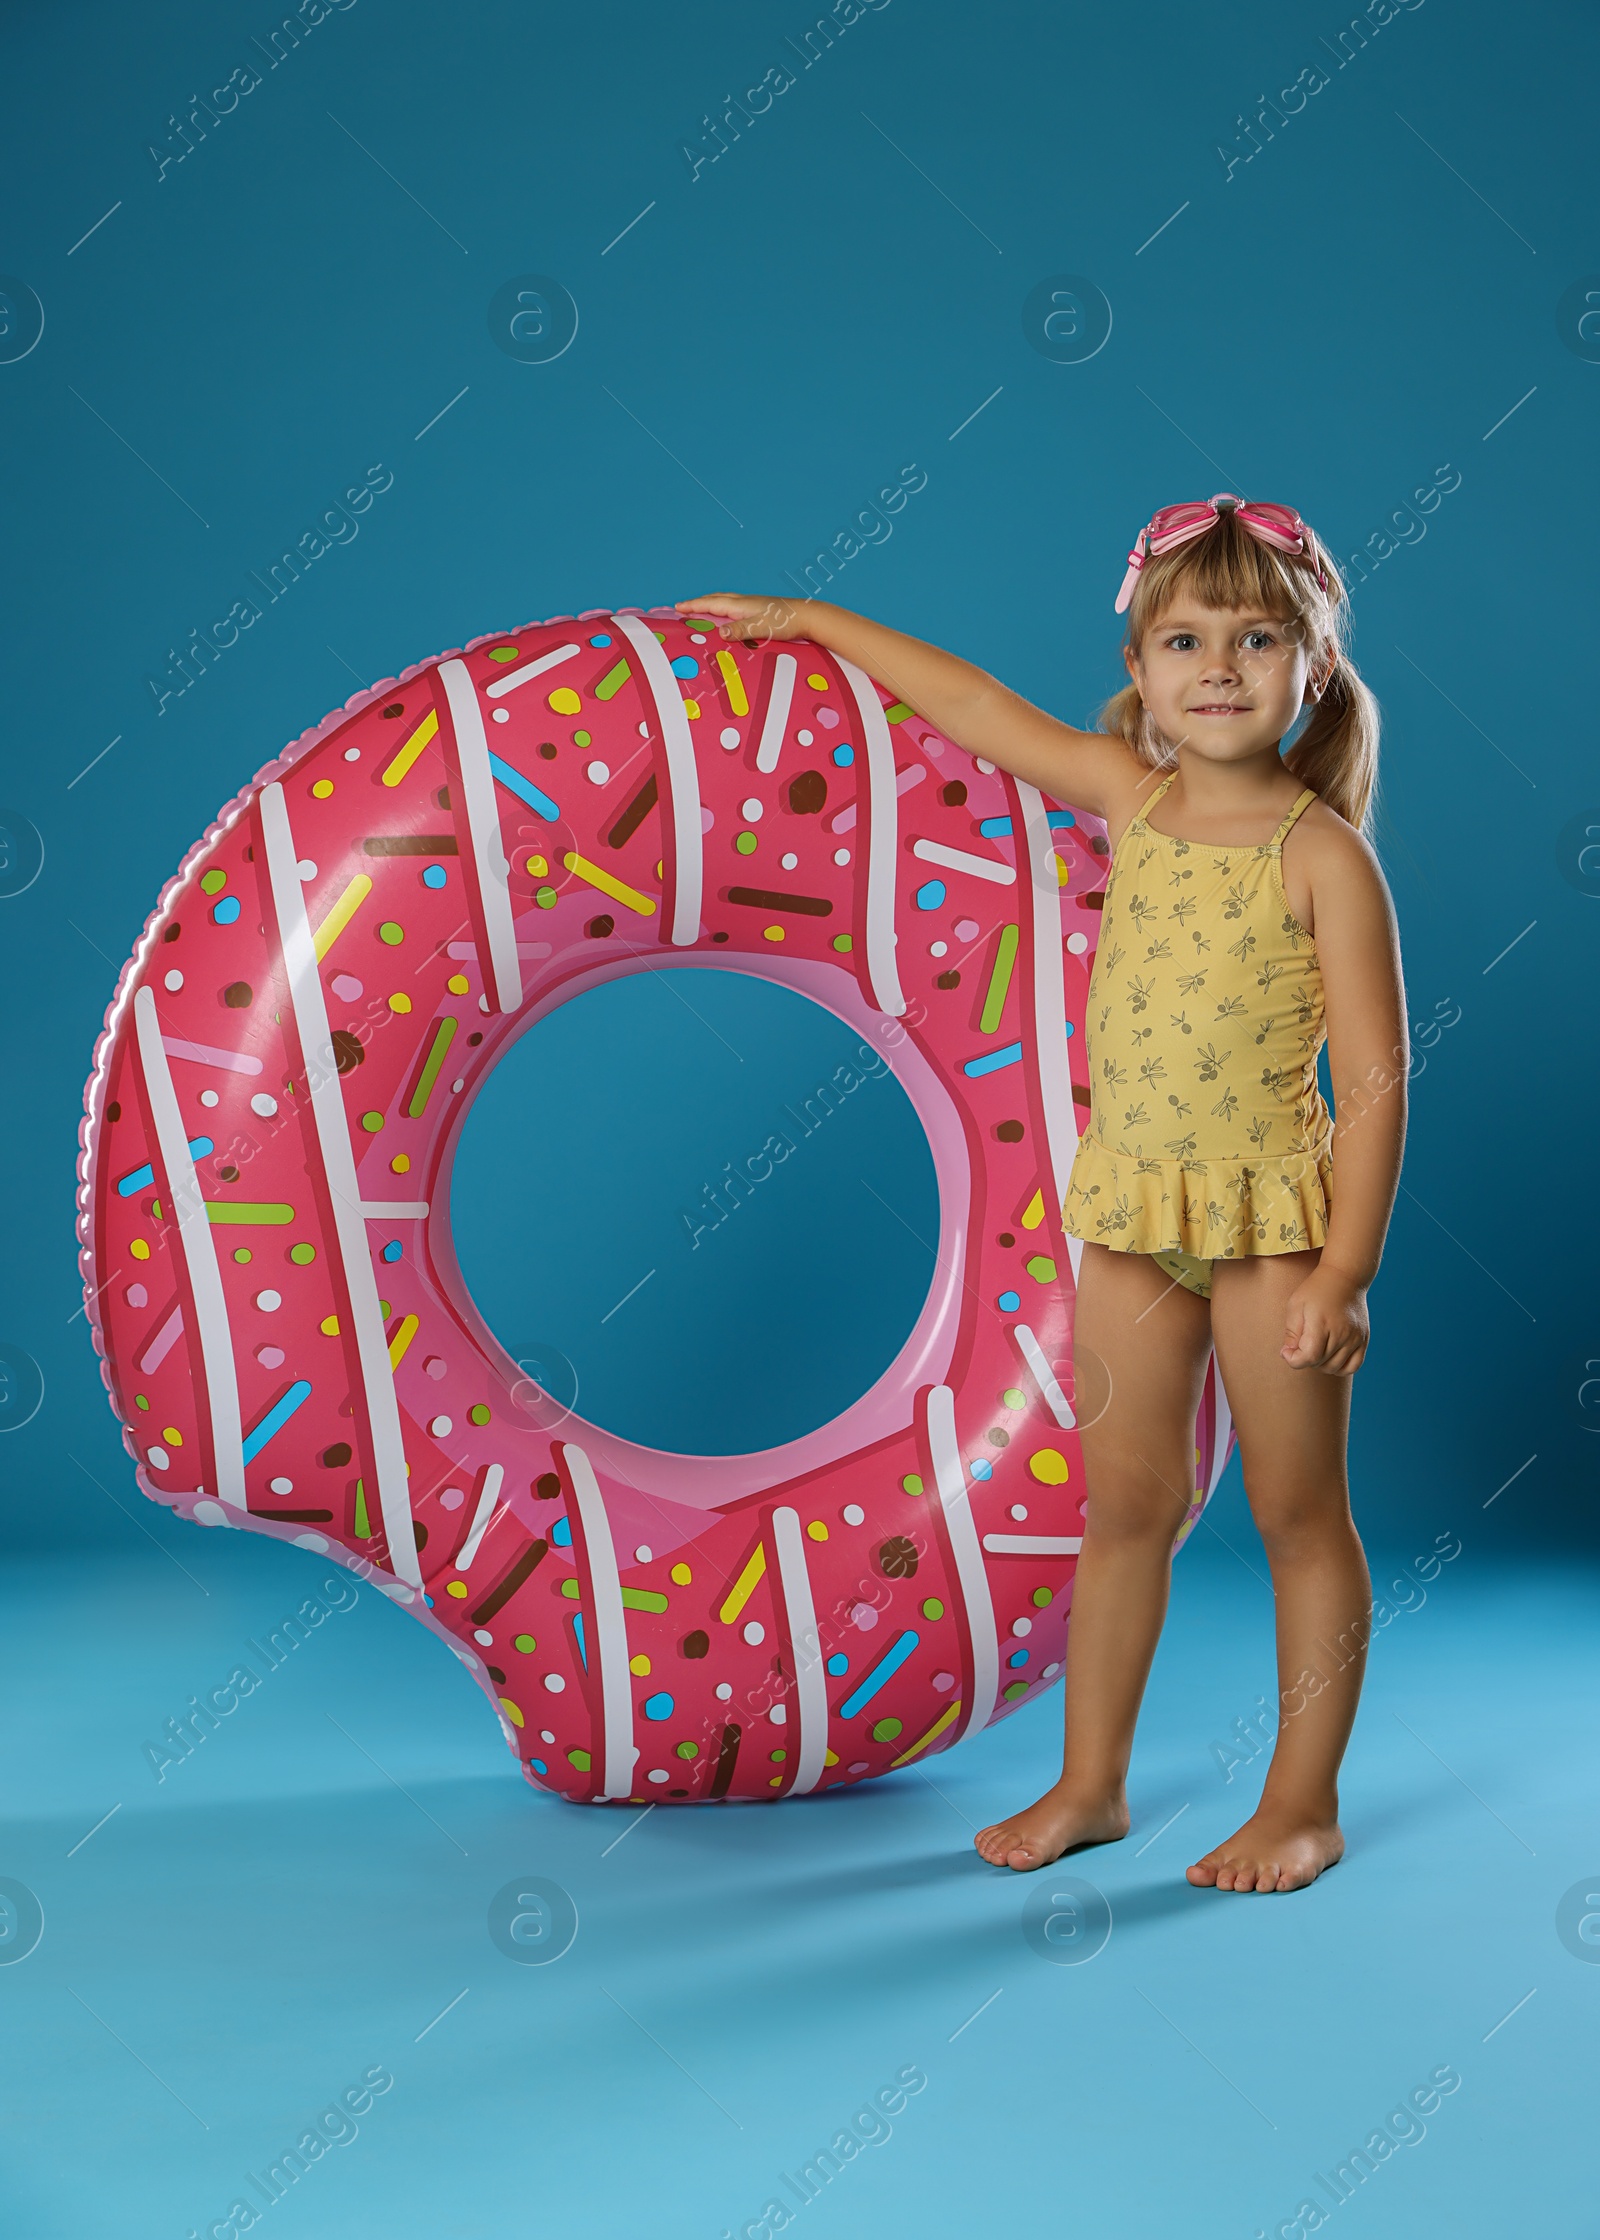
[[1272, 1851], [1058, 1822]]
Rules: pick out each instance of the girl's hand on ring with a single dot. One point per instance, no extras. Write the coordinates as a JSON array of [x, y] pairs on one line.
[[738, 615]]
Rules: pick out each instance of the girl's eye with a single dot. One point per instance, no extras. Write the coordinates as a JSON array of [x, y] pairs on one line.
[[1258, 640], [1183, 641]]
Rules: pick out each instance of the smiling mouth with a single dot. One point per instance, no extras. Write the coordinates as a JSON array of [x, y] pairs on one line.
[[1220, 708]]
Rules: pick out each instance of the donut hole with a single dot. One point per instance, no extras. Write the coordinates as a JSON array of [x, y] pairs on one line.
[[694, 1208]]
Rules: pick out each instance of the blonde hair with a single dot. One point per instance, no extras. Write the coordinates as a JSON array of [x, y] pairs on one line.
[[1337, 752]]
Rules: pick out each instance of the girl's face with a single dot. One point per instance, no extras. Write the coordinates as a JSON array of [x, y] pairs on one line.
[[1222, 683]]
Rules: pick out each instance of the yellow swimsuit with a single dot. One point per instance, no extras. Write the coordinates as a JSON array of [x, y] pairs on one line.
[[1209, 1137]]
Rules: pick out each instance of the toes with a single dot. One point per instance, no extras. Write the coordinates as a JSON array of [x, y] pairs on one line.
[[1203, 1874]]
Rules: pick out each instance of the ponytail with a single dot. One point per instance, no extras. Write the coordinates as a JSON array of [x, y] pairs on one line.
[[1337, 752]]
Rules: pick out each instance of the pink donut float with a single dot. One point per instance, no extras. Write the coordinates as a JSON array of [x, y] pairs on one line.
[[273, 1113]]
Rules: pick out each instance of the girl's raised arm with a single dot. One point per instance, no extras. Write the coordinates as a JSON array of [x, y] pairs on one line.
[[1086, 768]]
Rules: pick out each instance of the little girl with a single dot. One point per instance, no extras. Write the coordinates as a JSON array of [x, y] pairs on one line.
[[1246, 921]]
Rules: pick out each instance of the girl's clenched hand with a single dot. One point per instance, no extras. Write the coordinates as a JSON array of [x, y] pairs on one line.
[[1327, 1325]]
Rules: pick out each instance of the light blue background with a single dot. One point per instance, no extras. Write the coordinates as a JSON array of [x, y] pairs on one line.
[[1373, 297]]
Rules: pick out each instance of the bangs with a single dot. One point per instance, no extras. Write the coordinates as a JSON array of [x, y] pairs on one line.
[[1229, 569]]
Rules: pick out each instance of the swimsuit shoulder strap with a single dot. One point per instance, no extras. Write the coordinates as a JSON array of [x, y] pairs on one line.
[[1139, 816], [1300, 806]]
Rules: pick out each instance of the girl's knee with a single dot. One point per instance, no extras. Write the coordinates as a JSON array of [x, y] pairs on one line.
[[1299, 1512], [1128, 1501]]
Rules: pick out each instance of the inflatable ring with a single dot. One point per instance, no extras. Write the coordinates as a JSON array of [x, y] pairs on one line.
[[274, 1109]]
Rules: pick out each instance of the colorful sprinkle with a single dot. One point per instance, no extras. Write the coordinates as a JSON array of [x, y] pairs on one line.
[[999, 979], [275, 1418], [524, 789], [993, 1060], [143, 1178], [744, 1586], [354, 895], [737, 703], [881, 1673], [413, 747], [618, 889], [443, 1035]]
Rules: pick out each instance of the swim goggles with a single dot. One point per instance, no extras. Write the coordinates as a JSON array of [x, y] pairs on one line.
[[1279, 526]]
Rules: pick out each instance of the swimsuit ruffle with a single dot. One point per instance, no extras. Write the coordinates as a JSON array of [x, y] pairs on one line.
[[1216, 1209]]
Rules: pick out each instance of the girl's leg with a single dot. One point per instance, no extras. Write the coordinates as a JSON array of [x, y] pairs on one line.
[[1140, 1344], [1292, 1425]]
